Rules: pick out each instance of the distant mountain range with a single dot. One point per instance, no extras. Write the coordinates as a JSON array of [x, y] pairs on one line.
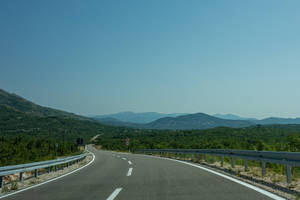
[[277, 120], [137, 118], [20, 115], [196, 121], [189, 121]]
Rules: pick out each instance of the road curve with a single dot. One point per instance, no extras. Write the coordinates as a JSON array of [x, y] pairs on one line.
[[128, 176]]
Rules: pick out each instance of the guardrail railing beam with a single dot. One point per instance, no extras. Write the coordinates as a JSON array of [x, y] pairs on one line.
[[288, 159]]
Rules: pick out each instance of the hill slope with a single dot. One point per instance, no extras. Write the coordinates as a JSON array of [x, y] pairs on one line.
[[23, 105], [19, 116]]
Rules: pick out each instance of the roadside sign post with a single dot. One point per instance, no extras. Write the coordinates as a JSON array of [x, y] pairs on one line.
[[127, 141], [56, 146]]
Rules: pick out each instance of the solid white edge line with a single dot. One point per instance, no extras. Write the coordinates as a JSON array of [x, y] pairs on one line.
[[129, 162], [257, 189], [114, 194], [124, 158], [129, 171], [37, 185]]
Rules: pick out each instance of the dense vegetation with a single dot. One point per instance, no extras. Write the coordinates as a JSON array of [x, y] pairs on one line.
[[22, 149], [271, 138], [14, 122]]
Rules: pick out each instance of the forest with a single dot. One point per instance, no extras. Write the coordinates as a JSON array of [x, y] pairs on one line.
[[22, 149], [267, 137]]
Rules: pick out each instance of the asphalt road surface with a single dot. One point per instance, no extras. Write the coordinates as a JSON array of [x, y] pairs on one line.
[[135, 177]]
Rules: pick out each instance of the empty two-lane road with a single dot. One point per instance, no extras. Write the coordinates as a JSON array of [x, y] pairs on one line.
[[128, 176]]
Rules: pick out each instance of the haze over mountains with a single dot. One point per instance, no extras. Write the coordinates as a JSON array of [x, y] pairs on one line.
[[15, 110], [232, 117], [187, 121]]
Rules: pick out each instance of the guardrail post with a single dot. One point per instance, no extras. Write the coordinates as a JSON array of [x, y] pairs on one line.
[[222, 161], [246, 164], [1, 181], [192, 157], [36, 173], [21, 176], [288, 173], [177, 155], [198, 157], [68, 164], [62, 166], [263, 168], [49, 170], [55, 168], [205, 159], [181, 156], [213, 159], [232, 162]]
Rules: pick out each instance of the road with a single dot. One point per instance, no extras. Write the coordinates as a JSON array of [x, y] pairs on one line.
[[128, 176]]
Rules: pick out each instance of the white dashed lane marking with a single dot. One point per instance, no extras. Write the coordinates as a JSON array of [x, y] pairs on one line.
[[129, 171], [114, 194]]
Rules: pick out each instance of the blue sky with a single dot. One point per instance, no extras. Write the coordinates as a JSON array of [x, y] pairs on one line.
[[97, 57]]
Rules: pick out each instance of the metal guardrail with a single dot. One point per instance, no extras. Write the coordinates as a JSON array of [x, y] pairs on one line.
[[288, 159], [13, 169]]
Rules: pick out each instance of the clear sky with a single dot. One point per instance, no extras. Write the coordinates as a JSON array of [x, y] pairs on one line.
[[97, 57]]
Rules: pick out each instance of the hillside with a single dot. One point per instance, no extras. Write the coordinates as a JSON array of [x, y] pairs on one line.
[[21, 117], [18, 103], [137, 118], [196, 121], [14, 122]]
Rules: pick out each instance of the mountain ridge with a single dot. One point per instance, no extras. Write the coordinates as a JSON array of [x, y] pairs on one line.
[[137, 118], [196, 121]]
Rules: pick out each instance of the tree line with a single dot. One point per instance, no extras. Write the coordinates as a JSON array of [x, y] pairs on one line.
[[22, 149]]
